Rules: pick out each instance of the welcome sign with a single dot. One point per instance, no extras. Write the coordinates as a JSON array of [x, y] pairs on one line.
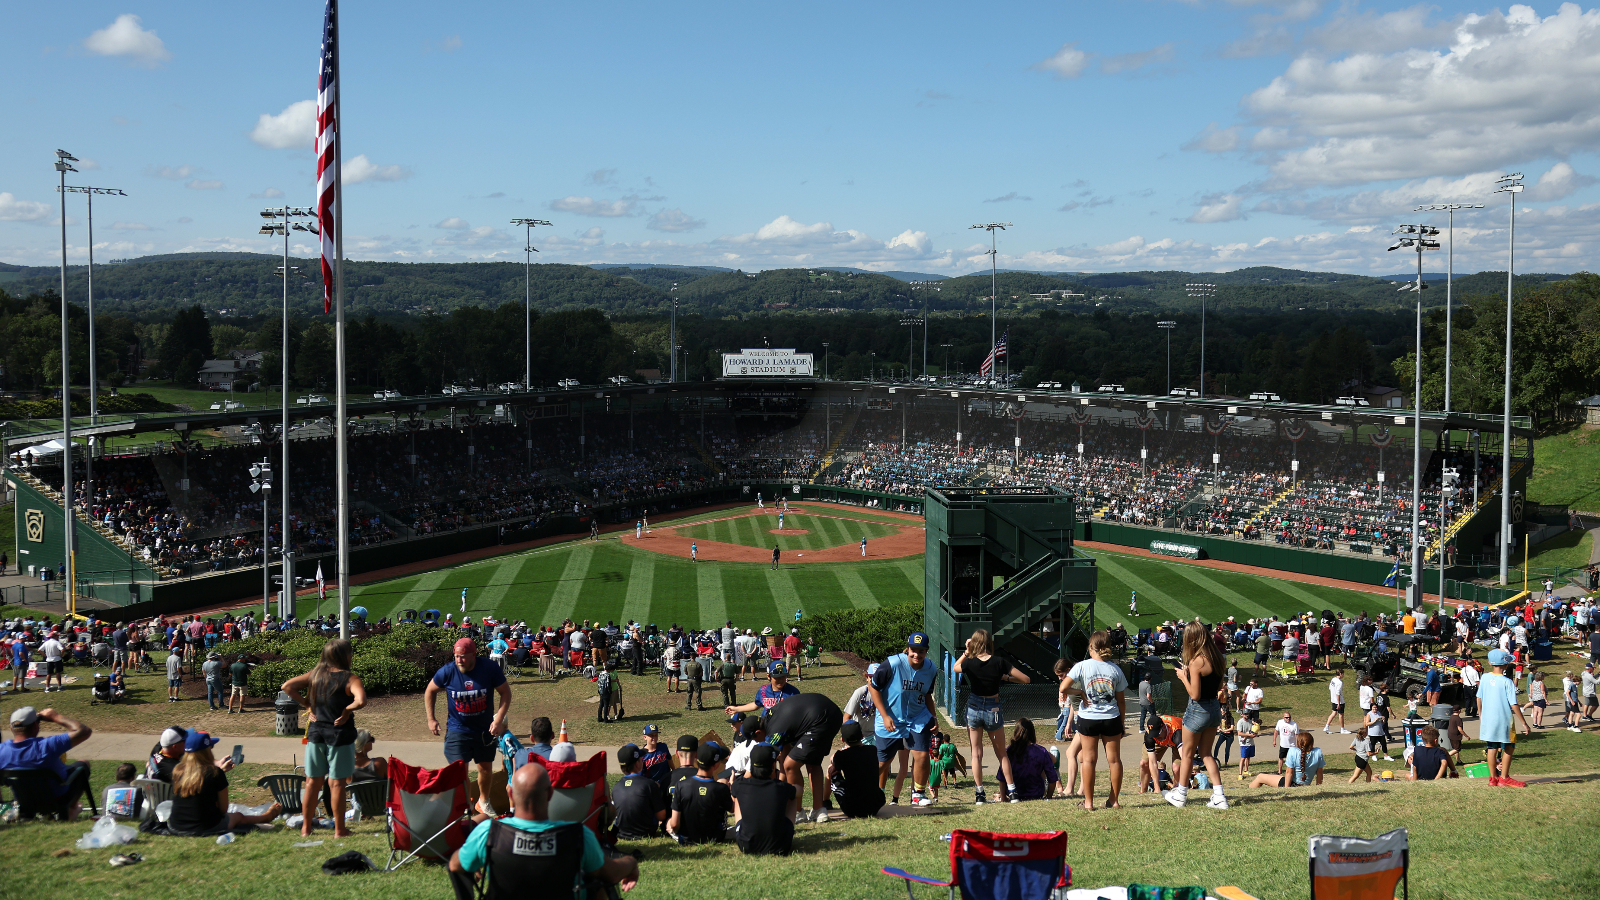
[[766, 361]]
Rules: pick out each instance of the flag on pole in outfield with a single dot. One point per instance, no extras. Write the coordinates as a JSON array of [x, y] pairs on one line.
[[322, 586], [1393, 578], [463, 599], [997, 353], [327, 150]]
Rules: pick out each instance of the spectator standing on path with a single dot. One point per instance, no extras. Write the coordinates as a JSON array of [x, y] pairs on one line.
[[1286, 730], [26, 750], [4, 560], [1336, 700], [902, 691], [791, 653], [333, 694], [472, 731], [1201, 674], [174, 675], [1247, 729], [1101, 718], [213, 670], [1147, 701], [1589, 681]]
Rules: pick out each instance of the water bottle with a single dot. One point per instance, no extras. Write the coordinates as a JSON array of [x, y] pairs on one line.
[[226, 838], [946, 837]]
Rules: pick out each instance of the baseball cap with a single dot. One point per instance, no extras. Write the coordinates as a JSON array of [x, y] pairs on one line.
[[198, 740], [711, 753], [689, 743], [627, 754], [778, 668], [850, 731], [24, 717], [762, 757], [651, 729], [1498, 657], [464, 645], [917, 640], [872, 669], [750, 727], [173, 736]]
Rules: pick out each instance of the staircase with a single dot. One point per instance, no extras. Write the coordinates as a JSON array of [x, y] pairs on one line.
[[845, 427], [1433, 550], [1263, 511]]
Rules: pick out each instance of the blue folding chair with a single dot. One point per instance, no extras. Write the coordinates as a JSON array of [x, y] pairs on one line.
[[989, 866]]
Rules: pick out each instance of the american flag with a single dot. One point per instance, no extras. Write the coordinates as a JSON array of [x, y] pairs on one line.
[[328, 148], [997, 353]]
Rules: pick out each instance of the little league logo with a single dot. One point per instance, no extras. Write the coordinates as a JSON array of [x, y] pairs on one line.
[[34, 525]]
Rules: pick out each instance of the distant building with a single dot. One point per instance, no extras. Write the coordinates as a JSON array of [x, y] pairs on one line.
[[1590, 407], [239, 364]]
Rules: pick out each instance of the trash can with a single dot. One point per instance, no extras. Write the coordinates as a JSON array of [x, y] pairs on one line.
[[288, 714]]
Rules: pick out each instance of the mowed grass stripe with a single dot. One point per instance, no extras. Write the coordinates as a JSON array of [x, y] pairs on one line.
[[641, 584], [785, 596], [711, 602], [503, 578], [564, 597], [1153, 600], [853, 585], [1243, 606], [746, 593]]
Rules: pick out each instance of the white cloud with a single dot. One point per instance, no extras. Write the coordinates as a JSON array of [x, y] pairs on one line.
[[1214, 139], [1068, 62], [1510, 87], [451, 44], [589, 206], [1367, 32], [14, 210], [170, 173], [85, 164], [125, 37], [482, 236], [1131, 62], [1007, 198], [1560, 182], [674, 220], [201, 185], [1557, 183], [295, 127], [1218, 208], [270, 193], [454, 223], [362, 169], [602, 177]]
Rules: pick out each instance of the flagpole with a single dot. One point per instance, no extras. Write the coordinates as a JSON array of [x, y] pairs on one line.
[[342, 423]]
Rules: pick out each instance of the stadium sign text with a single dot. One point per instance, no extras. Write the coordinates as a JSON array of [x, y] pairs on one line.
[[1168, 548], [763, 361]]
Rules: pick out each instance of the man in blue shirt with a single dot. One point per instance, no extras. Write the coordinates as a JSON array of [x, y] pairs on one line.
[[530, 800], [26, 750], [473, 731], [902, 691]]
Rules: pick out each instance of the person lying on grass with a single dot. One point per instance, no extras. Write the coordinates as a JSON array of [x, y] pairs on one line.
[[1303, 765]]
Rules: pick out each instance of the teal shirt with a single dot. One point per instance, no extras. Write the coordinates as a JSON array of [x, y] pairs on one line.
[[474, 851]]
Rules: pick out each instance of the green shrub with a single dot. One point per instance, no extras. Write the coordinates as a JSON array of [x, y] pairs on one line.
[[268, 677], [871, 634], [387, 675]]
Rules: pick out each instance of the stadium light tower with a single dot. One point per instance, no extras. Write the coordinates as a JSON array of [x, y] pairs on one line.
[[1167, 325], [994, 282], [1449, 284], [94, 372], [280, 221], [1510, 184], [911, 349], [64, 161], [528, 250], [1418, 238], [261, 483], [672, 338], [1204, 292]]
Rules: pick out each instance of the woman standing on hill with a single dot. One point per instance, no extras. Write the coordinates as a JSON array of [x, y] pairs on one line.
[[333, 693], [1201, 674], [985, 670]]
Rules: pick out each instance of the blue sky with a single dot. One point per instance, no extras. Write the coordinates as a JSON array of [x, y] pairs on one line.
[[1144, 134]]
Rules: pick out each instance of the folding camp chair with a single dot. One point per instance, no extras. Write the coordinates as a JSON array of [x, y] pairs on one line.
[[579, 795], [427, 810], [1347, 868], [985, 865], [34, 792]]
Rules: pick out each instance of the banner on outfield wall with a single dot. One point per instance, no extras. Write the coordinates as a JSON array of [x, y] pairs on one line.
[[765, 361], [1168, 548]]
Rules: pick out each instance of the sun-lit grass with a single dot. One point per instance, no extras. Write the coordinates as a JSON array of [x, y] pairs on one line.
[[1566, 469]]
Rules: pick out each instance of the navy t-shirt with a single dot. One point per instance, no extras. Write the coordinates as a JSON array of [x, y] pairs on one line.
[[470, 695]]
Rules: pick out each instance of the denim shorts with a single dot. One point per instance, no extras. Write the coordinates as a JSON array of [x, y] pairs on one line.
[[1202, 714], [984, 713]]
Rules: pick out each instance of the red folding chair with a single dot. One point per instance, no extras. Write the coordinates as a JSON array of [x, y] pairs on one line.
[[989, 866], [578, 794], [427, 812]]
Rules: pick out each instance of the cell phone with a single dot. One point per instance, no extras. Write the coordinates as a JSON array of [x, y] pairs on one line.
[[238, 754]]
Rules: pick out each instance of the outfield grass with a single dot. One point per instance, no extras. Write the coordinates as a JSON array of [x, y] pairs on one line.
[[823, 531], [1540, 849], [1566, 469]]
